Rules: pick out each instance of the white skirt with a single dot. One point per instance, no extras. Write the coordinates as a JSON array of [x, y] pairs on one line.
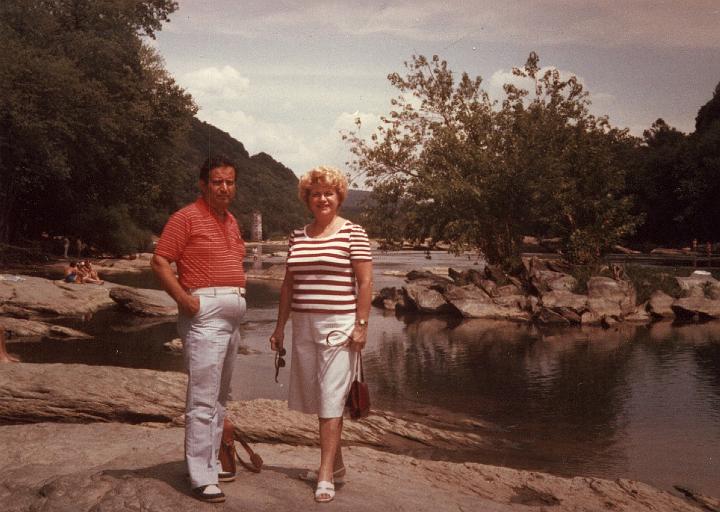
[[320, 375]]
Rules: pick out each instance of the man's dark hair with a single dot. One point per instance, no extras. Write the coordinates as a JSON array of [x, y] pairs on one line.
[[213, 163]]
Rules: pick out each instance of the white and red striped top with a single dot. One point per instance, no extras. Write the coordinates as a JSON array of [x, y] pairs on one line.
[[323, 277], [208, 251]]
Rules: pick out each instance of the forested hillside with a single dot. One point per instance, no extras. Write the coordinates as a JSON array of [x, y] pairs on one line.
[[97, 140], [263, 183]]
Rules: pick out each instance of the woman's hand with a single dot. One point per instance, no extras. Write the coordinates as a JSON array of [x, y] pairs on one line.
[[358, 338], [276, 339]]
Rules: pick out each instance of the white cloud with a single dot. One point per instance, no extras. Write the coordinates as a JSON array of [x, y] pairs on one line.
[[211, 84], [651, 23], [276, 139]]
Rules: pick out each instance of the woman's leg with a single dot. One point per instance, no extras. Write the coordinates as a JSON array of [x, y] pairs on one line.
[[330, 434]]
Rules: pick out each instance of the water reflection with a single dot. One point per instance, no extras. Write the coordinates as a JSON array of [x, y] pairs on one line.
[[633, 401]]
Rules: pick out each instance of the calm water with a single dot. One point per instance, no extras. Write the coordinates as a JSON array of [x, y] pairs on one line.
[[640, 402]]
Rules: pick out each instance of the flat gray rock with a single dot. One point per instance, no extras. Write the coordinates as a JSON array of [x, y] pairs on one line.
[[144, 302], [37, 298], [700, 308], [21, 329]]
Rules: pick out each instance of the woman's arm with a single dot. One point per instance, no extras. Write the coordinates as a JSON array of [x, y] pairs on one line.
[[278, 336], [363, 279]]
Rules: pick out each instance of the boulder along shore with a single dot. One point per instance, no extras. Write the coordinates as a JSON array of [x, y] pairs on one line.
[[544, 294]]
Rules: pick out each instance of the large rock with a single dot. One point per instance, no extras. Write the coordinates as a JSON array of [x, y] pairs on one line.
[[565, 299], [144, 302], [426, 299], [470, 276], [547, 316], [31, 393], [24, 329], [613, 291], [640, 315], [74, 393], [700, 284], [696, 308], [37, 298], [544, 276], [660, 305], [391, 298], [509, 308], [118, 468], [605, 308], [467, 292]]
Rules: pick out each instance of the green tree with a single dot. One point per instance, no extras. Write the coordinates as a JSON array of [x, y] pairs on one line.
[[677, 181], [662, 161], [476, 172], [90, 121], [700, 186]]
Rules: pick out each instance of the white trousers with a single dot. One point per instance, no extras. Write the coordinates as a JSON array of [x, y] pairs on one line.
[[320, 375], [211, 339]]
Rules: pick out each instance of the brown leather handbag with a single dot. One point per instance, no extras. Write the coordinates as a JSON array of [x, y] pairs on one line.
[[358, 400], [229, 454]]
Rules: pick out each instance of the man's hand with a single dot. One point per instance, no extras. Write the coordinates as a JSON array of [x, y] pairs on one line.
[[189, 305]]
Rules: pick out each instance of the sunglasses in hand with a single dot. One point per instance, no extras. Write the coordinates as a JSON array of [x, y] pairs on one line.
[[279, 362]]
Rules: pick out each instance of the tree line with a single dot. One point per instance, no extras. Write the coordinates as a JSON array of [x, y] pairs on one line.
[[97, 140], [450, 164]]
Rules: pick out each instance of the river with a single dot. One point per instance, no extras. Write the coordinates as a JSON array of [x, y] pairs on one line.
[[638, 402]]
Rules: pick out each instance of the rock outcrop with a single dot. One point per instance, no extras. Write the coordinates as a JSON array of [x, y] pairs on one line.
[[144, 302], [660, 305], [696, 308], [32, 393], [36, 298], [115, 468], [21, 329], [544, 295]]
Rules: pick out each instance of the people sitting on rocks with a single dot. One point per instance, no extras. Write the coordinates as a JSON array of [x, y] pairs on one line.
[[89, 275], [72, 275], [5, 357]]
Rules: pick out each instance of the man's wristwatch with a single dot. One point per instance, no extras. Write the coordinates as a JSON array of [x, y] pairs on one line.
[[361, 323]]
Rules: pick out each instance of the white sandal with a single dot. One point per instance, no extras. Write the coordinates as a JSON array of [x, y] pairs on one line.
[[311, 475], [324, 492]]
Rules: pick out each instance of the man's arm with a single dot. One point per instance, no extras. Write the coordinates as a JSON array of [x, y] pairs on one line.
[[187, 304]]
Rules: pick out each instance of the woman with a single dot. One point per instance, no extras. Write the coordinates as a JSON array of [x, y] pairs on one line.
[[328, 287]]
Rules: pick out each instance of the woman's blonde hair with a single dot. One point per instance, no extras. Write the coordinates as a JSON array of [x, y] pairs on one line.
[[323, 175]]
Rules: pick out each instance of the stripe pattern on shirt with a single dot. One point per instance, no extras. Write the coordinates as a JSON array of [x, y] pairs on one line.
[[323, 277], [208, 251]]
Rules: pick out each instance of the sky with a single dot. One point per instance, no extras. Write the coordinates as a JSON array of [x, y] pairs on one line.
[[285, 77]]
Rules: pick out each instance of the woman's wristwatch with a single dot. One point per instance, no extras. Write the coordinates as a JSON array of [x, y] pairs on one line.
[[361, 323]]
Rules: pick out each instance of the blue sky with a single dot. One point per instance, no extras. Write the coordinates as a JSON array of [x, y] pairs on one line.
[[284, 77]]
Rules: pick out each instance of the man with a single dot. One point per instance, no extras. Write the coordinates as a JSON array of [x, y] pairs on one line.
[[204, 240]]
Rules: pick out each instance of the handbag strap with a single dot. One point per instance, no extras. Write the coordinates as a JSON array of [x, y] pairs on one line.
[[256, 461], [359, 364]]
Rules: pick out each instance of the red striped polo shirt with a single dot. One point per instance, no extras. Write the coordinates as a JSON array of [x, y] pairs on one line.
[[323, 277], [208, 251]]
